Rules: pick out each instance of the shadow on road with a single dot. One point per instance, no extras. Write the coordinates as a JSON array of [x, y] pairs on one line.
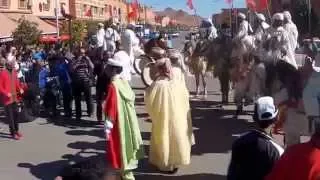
[[93, 132], [72, 123], [185, 177], [84, 146], [214, 127], [49, 170]]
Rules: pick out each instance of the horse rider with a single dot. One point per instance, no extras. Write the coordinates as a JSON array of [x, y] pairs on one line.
[[112, 36], [100, 39], [130, 41], [278, 42], [292, 30], [261, 29], [212, 31], [275, 46], [242, 36], [222, 69]]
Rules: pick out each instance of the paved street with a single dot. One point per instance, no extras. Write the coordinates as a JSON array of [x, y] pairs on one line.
[[49, 145]]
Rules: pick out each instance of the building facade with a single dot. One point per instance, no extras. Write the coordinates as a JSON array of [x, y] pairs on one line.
[[147, 16], [99, 10], [11, 11], [47, 8]]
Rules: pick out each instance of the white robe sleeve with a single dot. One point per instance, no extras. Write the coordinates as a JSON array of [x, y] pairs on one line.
[[243, 30]]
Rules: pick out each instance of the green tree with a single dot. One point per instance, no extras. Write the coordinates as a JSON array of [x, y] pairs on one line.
[[78, 31], [27, 33]]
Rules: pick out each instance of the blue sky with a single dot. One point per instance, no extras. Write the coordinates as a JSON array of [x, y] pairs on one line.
[[205, 8]]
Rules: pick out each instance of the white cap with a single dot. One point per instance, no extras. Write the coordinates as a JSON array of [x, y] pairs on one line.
[[241, 15], [266, 109], [113, 62], [261, 17], [278, 16], [121, 56], [287, 15], [100, 24]]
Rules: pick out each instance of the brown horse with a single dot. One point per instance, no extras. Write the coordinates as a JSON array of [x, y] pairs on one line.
[[219, 57], [199, 63]]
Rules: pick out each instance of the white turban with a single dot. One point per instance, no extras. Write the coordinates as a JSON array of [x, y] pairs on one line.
[[287, 15], [100, 25], [261, 17], [242, 16], [113, 62], [278, 16]]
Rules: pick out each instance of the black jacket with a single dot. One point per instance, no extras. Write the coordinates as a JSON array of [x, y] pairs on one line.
[[253, 156]]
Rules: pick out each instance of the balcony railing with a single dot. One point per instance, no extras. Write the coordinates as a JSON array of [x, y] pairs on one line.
[[4, 4]]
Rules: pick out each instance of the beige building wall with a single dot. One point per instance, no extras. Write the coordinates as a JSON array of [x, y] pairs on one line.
[[165, 21], [46, 8], [151, 16], [19, 6], [117, 9], [101, 9], [146, 15]]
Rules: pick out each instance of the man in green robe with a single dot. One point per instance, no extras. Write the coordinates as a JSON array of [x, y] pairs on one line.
[[124, 145]]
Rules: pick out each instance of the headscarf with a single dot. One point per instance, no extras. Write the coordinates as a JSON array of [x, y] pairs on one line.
[[164, 67]]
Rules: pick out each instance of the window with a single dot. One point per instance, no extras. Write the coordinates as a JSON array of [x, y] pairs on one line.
[[115, 13], [101, 11], [23, 4], [4, 3], [106, 9], [63, 7], [110, 10], [46, 6], [95, 11], [83, 9]]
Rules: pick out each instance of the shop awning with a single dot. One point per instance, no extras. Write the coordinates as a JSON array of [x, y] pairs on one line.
[[43, 26], [53, 38], [7, 26]]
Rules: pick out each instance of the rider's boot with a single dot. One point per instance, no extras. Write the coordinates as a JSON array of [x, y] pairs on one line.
[[205, 92], [223, 98], [239, 110], [197, 92], [227, 98]]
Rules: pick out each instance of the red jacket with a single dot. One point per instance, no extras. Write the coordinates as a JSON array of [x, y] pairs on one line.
[[5, 86], [299, 162]]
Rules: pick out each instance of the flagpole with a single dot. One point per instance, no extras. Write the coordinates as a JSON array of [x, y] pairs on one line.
[[268, 9], [309, 16], [231, 19], [194, 17]]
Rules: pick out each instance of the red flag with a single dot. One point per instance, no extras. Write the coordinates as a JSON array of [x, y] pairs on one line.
[[135, 5], [229, 1], [134, 10], [190, 4], [89, 12], [257, 5]]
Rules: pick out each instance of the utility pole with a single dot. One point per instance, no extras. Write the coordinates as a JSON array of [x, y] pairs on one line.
[[57, 17]]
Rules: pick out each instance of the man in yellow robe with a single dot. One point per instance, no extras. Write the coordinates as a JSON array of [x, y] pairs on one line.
[[171, 136]]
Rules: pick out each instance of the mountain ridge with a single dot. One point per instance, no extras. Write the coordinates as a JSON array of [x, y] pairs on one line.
[[180, 16]]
